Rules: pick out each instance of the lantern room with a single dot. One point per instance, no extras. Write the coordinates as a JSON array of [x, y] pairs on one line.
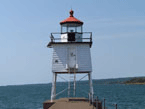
[[71, 29]]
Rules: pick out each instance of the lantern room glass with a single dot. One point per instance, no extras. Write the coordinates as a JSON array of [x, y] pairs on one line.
[[68, 28]]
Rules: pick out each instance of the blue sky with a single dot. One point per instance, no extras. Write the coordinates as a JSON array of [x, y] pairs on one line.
[[118, 28]]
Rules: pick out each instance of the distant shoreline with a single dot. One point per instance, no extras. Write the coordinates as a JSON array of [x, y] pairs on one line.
[[123, 81], [136, 81]]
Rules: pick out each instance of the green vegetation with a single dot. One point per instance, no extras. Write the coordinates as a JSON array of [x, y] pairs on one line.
[[127, 80], [136, 80]]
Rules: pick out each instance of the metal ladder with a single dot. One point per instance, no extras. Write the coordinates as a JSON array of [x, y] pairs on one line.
[[72, 78]]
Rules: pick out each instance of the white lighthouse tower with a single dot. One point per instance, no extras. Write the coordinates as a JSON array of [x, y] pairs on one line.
[[71, 53]]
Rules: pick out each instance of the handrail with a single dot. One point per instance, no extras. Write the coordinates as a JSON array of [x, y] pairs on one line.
[[84, 39], [110, 103]]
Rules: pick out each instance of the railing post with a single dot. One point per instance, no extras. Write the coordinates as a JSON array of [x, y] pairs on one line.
[[51, 37], [89, 98], [104, 103], [115, 106], [96, 102], [91, 37], [93, 102]]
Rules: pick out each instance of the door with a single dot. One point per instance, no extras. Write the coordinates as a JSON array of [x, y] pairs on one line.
[[72, 57]]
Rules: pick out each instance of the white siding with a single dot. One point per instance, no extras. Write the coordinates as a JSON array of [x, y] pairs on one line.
[[60, 54], [83, 58]]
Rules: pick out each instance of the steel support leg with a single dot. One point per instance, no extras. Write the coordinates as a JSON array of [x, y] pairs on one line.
[[53, 90], [91, 86]]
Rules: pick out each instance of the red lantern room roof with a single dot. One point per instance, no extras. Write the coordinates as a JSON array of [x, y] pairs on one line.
[[71, 19]]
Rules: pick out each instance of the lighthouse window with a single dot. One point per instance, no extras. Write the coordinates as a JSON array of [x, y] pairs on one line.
[[56, 61], [79, 29], [63, 29]]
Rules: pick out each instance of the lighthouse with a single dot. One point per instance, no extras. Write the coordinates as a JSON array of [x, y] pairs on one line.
[[71, 53]]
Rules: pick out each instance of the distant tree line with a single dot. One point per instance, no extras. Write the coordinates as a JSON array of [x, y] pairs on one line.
[[136, 80]]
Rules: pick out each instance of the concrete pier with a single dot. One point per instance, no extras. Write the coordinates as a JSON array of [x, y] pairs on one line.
[[69, 103]]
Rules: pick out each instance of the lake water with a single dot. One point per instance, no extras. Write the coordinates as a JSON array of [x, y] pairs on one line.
[[32, 96]]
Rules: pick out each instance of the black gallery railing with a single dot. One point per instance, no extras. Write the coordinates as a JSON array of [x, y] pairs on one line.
[[85, 37]]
